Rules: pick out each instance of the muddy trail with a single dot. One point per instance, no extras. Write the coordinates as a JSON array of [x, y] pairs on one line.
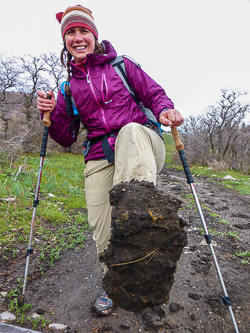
[[65, 292]]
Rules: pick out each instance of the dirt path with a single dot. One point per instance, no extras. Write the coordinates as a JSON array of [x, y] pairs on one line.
[[66, 291]]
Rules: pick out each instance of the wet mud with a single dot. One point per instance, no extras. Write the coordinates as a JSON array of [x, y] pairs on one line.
[[146, 243]]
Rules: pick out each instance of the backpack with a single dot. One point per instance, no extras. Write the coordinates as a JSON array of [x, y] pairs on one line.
[[119, 66]]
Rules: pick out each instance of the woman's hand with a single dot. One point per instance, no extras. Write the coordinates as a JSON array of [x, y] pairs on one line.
[[171, 117], [43, 103]]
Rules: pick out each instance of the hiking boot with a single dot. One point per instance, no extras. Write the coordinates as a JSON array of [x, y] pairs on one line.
[[103, 305]]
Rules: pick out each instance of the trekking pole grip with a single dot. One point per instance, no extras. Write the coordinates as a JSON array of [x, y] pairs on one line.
[[46, 117], [47, 123], [180, 148], [178, 144]]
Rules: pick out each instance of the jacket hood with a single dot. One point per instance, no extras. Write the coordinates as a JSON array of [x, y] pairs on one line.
[[109, 54], [96, 59]]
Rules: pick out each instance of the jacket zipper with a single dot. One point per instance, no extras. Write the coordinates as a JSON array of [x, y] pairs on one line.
[[93, 91], [104, 89]]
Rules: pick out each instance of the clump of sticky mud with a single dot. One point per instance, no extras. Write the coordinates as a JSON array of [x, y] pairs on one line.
[[146, 243]]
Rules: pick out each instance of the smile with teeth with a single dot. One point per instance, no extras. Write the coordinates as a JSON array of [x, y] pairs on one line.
[[80, 47]]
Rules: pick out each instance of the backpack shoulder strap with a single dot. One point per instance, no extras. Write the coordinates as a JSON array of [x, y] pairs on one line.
[[69, 100], [119, 66], [70, 105]]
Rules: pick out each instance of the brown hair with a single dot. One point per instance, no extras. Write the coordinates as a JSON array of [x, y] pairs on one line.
[[66, 57]]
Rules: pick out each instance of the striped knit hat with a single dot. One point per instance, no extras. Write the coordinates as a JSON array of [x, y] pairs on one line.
[[76, 16]]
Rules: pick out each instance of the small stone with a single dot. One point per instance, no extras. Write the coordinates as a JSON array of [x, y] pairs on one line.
[[204, 242], [175, 307], [58, 326], [40, 311], [194, 295], [193, 316], [228, 177], [35, 315], [126, 326], [4, 293], [7, 316]]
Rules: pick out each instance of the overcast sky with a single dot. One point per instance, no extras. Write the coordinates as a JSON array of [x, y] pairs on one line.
[[192, 48]]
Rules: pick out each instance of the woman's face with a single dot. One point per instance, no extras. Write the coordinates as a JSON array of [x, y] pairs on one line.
[[79, 42]]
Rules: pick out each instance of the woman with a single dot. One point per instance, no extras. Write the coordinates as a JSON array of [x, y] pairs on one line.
[[106, 107]]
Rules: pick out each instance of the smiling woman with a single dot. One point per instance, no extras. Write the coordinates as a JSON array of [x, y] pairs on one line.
[[79, 42], [78, 31], [123, 142]]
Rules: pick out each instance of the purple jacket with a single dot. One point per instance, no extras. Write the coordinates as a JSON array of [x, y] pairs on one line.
[[103, 102]]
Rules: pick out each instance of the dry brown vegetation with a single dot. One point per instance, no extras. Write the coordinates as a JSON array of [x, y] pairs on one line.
[[20, 124], [219, 137]]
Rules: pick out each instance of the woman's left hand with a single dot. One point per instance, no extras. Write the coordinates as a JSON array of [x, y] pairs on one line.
[[172, 118]]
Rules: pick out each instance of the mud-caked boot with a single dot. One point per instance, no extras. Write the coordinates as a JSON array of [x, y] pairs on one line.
[[146, 243]]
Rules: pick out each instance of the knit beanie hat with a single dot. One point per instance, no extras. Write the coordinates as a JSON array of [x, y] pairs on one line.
[[76, 16]]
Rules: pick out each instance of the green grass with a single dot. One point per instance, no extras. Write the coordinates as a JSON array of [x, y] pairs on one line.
[[61, 194], [243, 255], [241, 183], [212, 232], [169, 145], [225, 222], [214, 215]]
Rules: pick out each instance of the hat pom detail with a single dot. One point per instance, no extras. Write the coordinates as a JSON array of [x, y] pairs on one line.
[[59, 17]]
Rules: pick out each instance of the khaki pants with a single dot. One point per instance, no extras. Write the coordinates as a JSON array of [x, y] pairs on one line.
[[139, 154]]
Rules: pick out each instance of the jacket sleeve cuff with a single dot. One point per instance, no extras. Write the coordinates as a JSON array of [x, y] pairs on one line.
[[165, 109]]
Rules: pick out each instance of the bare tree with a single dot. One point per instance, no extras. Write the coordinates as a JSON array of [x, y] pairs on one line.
[[32, 78], [195, 140], [241, 150], [9, 74], [219, 135], [56, 71], [20, 78], [223, 121]]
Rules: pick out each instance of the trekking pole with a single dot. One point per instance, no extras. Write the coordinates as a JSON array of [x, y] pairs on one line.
[[46, 122], [180, 148]]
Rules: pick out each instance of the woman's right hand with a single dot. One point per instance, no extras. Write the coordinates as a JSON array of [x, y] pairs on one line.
[[43, 103]]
